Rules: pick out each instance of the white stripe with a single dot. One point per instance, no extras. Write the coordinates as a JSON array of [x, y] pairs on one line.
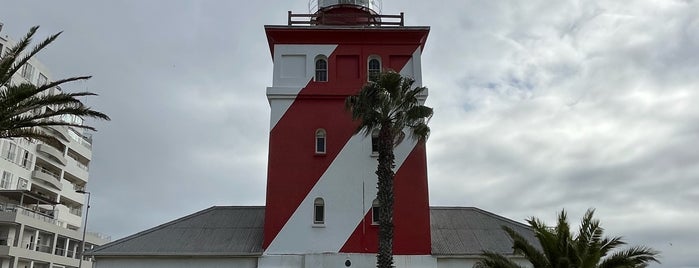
[[341, 187], [286, 87]]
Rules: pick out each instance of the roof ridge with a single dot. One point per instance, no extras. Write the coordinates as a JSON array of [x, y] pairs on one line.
[[147, 231], [485, 212], [502, 218], [238, 207]]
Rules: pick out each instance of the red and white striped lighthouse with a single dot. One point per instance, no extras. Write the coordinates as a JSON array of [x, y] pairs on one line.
[[321, 184]]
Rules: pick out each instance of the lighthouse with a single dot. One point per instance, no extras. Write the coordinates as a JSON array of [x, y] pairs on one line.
[[321, 181]]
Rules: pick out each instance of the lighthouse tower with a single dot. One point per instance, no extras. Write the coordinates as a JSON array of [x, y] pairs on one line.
[[321, 185]]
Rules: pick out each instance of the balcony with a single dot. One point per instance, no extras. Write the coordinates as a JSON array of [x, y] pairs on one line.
[[12, 210], [77, 170], [49, 177], [53, 152], [70, 193], [59, 131], [68, 215], [80, 138]]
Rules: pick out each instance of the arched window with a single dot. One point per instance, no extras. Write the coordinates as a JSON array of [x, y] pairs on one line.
[[318, 211], [375, 212], [320, 141], [321, 69], [374, 67]]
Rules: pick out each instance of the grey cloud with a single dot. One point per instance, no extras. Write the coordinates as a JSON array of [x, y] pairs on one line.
[[539, 106]]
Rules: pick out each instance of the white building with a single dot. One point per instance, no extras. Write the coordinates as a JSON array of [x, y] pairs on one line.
[[40, 210]]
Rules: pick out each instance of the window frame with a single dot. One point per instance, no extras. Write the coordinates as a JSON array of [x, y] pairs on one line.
[[371, 72], [319, 206], [9, 151], [375, 213], [26, 159], [321, 137], [28, 71], [42, 80], [321, 72], [375, 143], [6, 180], [22, 183]]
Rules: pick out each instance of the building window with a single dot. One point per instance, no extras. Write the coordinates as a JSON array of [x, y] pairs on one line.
[[43, 80], [321, 69], [6, 180], [320, 141], [375, 214], [27, 159], [9, 151], [374, 68], [22, 184], [28, 71], [375, 142], [319, 211]]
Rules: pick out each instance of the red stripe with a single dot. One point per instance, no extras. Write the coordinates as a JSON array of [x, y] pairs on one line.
[[411, 216], [293, 167]]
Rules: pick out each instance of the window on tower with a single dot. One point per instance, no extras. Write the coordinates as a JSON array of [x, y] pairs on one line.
[[28, 71], [374, 67], [321, 69], [375, 212], [321, 137], [375, 142], [318, 211]]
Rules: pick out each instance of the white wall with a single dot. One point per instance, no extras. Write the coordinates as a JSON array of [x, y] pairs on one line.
[[470, 262], [151, 262], [338, 260]]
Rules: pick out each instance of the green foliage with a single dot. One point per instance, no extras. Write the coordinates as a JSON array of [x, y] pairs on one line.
[[390, 99], [562, 249], [24, 107], [389, 103]]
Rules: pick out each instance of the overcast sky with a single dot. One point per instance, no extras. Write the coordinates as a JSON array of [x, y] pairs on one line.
[[539, 106]]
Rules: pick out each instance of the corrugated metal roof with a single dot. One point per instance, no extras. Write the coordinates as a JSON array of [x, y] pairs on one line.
[[469, 231], [237, 231], [216, 231]]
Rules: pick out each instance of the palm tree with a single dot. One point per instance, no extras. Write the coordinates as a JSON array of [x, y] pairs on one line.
[[24, 107], [562, 249], [389, 103]]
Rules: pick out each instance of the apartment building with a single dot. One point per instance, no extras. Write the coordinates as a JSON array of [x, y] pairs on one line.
[[42, 185]]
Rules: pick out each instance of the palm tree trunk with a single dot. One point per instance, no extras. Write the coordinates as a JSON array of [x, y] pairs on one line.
[[384, 258]]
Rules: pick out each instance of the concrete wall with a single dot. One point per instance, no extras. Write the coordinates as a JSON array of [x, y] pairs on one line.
[[292, 261], [150, 262], [339, 260]]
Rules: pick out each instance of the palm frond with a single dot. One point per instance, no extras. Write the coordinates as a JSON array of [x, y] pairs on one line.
[[587, 249], [632, 257], [495, 260], [390, 98], [25, 107], [522, 246]]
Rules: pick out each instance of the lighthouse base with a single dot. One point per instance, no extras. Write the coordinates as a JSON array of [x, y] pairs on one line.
[[342, 260]]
